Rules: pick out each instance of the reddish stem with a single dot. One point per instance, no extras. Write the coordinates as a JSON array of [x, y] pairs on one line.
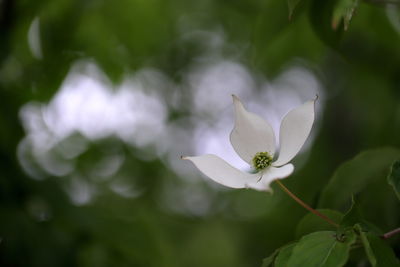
[[298, 200], [391, 233]]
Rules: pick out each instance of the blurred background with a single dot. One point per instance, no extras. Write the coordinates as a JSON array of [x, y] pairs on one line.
[[99, 99]]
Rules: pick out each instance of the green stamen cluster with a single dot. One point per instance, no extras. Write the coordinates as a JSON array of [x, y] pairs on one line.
[[262, 160]]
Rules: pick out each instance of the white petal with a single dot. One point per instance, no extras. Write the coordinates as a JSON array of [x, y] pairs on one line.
[[251, 133], [295, 128], [271, 174], [221, 172]]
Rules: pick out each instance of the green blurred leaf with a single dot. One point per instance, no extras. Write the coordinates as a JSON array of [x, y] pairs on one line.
[[292, 4], [394, 177], [269, 261], [354, 175], [311, 223], [320, 17], [322, 249], [379, 253], [366, 244], [344, 10], [284, 255], [352, 216]]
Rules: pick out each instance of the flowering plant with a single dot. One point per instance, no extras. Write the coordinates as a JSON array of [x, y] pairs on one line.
[[253, 139]]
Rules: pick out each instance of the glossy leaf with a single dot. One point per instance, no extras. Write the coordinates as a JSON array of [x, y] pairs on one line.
[[378, 251], [322, 249], [271, 260], [284, 255]]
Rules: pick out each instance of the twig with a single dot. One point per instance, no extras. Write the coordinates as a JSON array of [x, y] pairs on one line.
[[298, 200], [391, 233]]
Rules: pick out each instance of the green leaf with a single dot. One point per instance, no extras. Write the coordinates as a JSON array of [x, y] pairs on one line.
[[354, 175], [292, 4], [394, 177], [367, 246], [344, 10], [379, 253], [352, 217], [311, 223], [269, 261], [322, 249], [284, 256], [354, 220], [320, 17]]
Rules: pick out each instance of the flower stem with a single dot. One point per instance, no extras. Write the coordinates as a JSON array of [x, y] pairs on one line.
[[298, 200], [391, 233]]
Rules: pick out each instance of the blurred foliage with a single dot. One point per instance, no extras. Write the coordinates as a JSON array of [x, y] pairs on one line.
[[363, 177], [359, 69]]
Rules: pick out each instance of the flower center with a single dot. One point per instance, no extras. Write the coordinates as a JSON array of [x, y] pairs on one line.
[[262, 160]]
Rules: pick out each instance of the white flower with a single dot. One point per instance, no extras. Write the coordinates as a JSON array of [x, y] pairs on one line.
[[254, 141]]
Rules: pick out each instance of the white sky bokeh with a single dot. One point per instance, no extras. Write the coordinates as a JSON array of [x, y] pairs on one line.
[[137, 112]]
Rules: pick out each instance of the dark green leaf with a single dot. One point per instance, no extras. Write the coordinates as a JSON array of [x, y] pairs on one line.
[[352, 216], [284, 255], [379, 253], [312, 223], [322, 249], [367, 246], [354, 220], [292, 4], [270, 259], [354, 175], [273, 257], [344, 10], [394, 177], [320, 17]]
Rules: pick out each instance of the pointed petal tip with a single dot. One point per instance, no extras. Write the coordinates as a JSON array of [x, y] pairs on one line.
[[314, 101], [237, 103], [294, 130]]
